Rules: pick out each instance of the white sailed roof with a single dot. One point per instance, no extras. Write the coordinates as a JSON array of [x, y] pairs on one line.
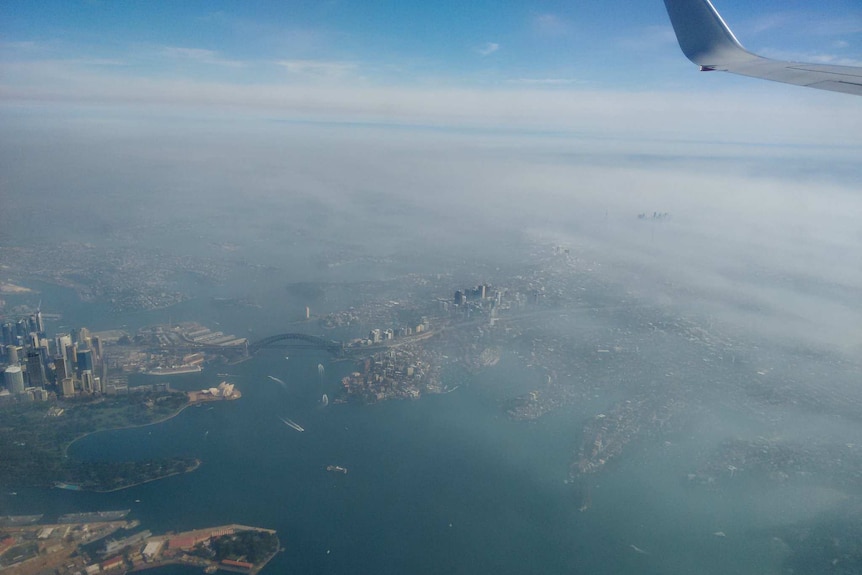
[[707, 41]]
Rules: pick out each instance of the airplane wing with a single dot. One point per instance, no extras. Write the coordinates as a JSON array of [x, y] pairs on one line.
[[707, 41]]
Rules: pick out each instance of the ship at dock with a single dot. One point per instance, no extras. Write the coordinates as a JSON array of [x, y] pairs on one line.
[[94, 517], [173, 370], [336, 469]]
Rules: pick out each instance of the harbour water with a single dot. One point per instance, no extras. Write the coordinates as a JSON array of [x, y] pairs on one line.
[[447, 483]]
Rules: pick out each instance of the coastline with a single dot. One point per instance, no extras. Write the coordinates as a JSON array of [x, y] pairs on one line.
[[198, 462], [132, 426]]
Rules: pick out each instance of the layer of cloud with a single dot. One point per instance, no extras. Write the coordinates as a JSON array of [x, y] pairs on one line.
[[550, 25], [199, 55], [488, 48], [774, 113], [319, 68]]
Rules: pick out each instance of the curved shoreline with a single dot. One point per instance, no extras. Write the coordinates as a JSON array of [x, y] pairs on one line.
[[170, 416], [197, 464], [133, 426]]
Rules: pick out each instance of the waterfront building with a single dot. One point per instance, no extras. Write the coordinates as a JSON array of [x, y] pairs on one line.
[[68, 387], [13, 377]]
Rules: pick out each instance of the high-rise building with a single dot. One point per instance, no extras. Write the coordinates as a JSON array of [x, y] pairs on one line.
[[36, 369], [13, 377], [68, 387], [61, 368], [85, 360], [62, 340], [83, 337], [8, 333], [40, 325], [21, 329], [96, 346], [87, 383], [12, 354]]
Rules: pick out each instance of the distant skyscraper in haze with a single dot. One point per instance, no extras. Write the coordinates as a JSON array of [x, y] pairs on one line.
[[8, 333], [87, 382], [62, 340], [13, 377], [85, 360], [68, 387], [35, 369], [12, 354], [96, 346], [61, 368]]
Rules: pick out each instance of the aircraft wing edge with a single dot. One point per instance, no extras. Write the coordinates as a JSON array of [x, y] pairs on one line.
[[707, 40]]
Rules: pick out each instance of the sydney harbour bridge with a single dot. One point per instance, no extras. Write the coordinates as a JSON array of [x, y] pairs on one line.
[[297, 340]]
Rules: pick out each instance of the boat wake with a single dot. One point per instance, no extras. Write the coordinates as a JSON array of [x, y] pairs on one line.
[[275, 379], [292, 423]]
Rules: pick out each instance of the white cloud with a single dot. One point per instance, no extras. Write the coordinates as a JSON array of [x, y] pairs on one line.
[[488, 48], [544, 81], [763, 113], [550, 25], [318, 68], [200, 55]]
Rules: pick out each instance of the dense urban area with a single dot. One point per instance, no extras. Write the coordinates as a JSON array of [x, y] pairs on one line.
[[409, 337]]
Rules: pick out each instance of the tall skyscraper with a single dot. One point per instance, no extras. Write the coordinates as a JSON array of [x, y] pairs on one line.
[[61, 368], [40, 325], [62, 340], [8, 333], [12, 354], [85, 360], [35, 369], [96, 342], [87, 382], [68, 387], [13, 377]]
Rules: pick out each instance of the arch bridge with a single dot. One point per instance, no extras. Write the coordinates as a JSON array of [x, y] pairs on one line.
[[333, 347]]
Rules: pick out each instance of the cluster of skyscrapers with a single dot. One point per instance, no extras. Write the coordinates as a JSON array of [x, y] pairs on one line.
[[36, 365]]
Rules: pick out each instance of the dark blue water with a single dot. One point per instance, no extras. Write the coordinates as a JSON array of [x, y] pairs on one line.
[[444, 484]]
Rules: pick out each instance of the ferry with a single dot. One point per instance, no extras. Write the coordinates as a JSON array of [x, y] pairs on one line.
[[337, 468]]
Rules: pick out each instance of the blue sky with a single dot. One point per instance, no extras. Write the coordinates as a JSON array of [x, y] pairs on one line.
[[306, 56]]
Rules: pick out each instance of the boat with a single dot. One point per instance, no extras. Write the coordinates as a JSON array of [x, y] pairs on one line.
[[325, 400], [337, 468], [320, 369], [292, 423], [174, 370]]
